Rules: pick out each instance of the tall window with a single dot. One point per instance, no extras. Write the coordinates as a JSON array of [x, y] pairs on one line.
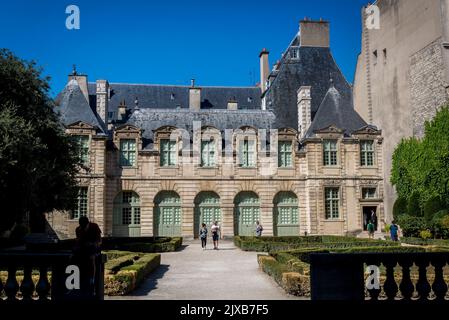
[[368, 193], [207, 153], [367, 153], [168, 153], [128, 152], [247, 153], [331, 203], [284, 154], [83, 147], [330, 153], [81, 204]]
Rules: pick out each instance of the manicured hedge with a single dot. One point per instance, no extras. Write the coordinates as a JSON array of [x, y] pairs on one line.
[[270, 244], [114, 265], [423, 242], [123, 277], [141, 244], [133, 244]]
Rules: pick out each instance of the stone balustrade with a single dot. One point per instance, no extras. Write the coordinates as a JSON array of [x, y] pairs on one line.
[[50, 271], [344, 276]]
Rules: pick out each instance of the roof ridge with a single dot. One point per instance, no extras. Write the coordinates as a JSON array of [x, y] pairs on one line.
[[177, 85]]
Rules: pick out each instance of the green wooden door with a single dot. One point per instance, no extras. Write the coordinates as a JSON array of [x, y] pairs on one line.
[[126, 216], [286, 215], [247, 212], [207, 210], [168, 215]]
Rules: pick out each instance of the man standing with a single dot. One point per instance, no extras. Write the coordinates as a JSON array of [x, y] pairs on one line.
[[394, 231], [370, 228], [88, 242]]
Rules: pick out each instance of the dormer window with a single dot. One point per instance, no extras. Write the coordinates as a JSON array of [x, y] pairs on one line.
[[167, 153], [128, 152], [294, 53], [247, 153]]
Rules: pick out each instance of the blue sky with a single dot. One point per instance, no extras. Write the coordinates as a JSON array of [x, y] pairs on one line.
[[170, 42]]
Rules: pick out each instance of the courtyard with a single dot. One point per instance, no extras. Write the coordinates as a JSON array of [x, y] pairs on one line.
[[193, 274]]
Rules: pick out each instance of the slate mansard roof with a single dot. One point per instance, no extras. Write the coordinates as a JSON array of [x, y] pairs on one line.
[[168, 105], [73, 107], [152, 119], [177, 97]]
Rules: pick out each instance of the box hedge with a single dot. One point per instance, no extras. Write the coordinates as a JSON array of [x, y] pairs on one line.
[[129, 276]]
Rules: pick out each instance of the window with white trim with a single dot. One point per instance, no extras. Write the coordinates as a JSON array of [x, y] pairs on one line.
[[168, 153], [369, 193], [367, 153], [332, 201], [247, 153], [285, 154], [128, 152], [83, 147], [81, 204], [330, 152], [208, 153]]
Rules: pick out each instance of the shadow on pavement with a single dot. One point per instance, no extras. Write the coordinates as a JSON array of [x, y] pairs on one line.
[[151, 282]]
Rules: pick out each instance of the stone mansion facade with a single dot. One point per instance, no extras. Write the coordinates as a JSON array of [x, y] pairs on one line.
[[292, 152]]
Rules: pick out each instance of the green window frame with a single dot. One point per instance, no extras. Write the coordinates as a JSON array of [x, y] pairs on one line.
[[287, 205], [81, 203], [167, 153], [285, 154], [367, 153], [330, 153], [128, 152], [83, 147], [208, 153], [247, 153], [332, 203]]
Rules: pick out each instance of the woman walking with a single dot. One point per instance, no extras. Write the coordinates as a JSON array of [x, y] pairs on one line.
[[215, 229], [203, 236]]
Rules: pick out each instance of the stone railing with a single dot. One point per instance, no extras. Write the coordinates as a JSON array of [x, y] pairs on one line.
[[49, 269], [344, 276]]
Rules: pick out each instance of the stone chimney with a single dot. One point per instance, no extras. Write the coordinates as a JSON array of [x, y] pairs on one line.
[[103, 99], [264, 69], [82, 82], [194, 97], [314, 33], [121, 112], [304, 110], [232, 104]]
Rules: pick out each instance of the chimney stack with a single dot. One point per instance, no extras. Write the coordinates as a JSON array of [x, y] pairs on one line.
[[194, 97], [264, 69], [314, 33], [82, 82], [304, 102], [103, 100], [121, 112]]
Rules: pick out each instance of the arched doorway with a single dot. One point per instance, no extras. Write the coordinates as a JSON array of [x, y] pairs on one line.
[[246, 213], [285, 214], [126, 220], [167, 214], [207, 210]]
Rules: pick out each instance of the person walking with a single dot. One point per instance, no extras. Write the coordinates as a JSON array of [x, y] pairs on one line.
[[259, 229], [394, 231], [215, 230], [203, 236], [374, 219], [370, 228]]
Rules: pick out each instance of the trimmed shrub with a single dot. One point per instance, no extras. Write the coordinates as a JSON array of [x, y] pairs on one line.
[[425, 234], [296, 284], [413, 205], [114, 265], [432, 206], [399, 207], [131, 276], [147, 245]]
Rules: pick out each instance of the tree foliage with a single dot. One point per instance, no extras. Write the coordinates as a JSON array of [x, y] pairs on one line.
[[38, 161], [421, 166]]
